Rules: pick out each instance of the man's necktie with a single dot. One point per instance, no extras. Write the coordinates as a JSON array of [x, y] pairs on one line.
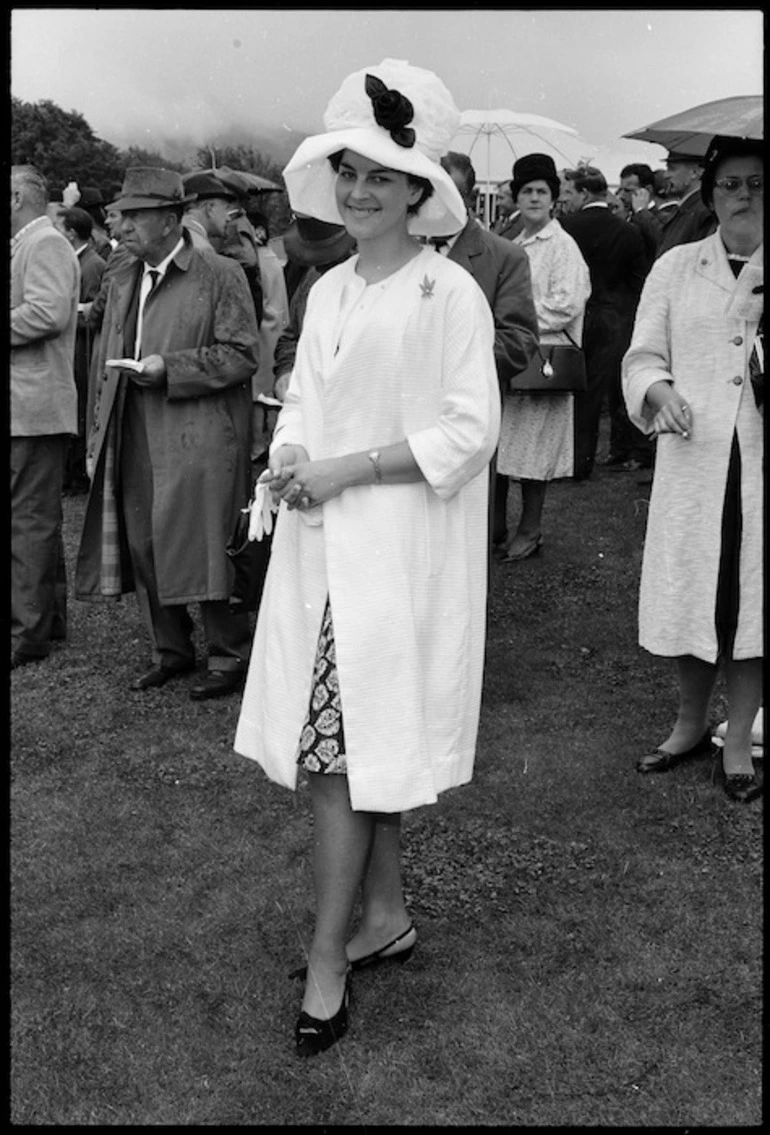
[[154, 276], [439, 242]]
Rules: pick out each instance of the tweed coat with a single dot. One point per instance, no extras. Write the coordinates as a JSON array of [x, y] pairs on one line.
[[45, 283], [695, 327], [404, 565], [201, 320]]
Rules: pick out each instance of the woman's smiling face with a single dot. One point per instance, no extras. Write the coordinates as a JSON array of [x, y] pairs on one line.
[[535, 201], [372, 200]]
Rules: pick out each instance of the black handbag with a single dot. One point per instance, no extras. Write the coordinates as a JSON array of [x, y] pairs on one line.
[[559, 367], [249, 559]]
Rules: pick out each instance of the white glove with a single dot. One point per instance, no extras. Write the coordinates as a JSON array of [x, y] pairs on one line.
[[262, 509]]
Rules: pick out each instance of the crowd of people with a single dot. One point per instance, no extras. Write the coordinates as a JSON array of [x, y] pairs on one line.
[[171, 360]]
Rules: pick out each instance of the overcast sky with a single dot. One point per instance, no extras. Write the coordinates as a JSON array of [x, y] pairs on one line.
[[140, 75]]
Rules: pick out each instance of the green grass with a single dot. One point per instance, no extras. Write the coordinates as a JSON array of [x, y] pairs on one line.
[[590, 949]]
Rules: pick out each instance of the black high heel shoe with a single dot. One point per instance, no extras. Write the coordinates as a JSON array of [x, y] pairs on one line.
[[313, 1036], [388, 953]]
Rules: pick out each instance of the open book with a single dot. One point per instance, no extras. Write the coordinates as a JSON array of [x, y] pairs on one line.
[[126, 364]]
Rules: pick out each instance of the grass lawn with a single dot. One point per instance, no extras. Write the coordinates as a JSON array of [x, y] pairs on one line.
[[590, 942]]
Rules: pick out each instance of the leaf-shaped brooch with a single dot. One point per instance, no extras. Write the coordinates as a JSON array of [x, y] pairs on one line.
[[426, 287]]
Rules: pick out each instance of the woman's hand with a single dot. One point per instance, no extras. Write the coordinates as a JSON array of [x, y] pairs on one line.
[[281, 475], [306, 484], [672, 414]]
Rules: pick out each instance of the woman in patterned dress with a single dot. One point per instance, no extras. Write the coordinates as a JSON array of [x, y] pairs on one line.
[[536, 437], [368, 655]]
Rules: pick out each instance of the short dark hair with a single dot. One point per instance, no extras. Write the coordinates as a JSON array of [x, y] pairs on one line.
[[660, 182], [417, 182], [642, 172], [78, 220], [453, 160], [589, 179]]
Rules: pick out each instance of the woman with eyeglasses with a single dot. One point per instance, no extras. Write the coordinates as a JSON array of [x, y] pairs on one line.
[[694, 376]]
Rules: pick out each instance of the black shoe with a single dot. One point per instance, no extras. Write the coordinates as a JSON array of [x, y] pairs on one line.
[[743, 787], [18, 659], [630, 466], [385, 954], [313, 1036], [157, 676], [389, 953], [613, 459], [658, 760], [533, 549], [217, 684]]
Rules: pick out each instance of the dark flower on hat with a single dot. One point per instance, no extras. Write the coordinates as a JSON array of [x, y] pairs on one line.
[[392, 111]]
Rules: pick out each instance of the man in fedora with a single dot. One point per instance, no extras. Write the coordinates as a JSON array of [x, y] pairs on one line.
[[206, 216], [170, 446], [92, 201], [691, 219], [311, 247]]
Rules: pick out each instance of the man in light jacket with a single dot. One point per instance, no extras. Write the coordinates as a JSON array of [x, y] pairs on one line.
[[45, 283]]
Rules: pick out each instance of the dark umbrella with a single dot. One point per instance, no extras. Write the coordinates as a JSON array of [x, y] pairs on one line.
[[690, 131], [243, 182]]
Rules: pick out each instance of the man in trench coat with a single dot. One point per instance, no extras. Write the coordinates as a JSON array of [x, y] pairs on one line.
[[170, 447]]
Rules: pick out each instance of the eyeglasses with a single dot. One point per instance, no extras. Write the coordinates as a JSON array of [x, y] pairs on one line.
[[732, 185]]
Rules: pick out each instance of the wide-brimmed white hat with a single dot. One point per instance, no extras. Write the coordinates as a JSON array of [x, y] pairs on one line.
[[406, 123]]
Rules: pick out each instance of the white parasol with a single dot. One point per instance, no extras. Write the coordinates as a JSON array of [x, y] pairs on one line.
[[494, 139]]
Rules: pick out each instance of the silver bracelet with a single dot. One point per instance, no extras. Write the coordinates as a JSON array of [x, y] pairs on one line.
[[374, 457]]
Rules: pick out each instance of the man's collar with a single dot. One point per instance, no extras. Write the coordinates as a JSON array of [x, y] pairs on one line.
[[163, 266]]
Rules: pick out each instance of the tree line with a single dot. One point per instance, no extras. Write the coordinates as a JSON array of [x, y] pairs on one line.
[[62, 145]]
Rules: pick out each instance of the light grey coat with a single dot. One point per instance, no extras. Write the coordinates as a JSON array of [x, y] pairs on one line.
[[45, 288], [695, 327]]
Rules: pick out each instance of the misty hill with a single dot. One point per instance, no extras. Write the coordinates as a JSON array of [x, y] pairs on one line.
[[276, 143]]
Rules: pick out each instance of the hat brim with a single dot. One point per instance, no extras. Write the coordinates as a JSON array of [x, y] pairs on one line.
[[124, 203], [310, 179], [320, 251]]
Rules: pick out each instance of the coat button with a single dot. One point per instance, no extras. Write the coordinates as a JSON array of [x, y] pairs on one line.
[[737, 381], [738, 340]]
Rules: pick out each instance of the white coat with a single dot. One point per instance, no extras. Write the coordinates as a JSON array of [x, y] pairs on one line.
[[404, 566], [695, 326]]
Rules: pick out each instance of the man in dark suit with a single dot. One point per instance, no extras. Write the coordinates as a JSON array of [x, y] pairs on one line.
[[691, 219], [636, 190], [508, 222], [614, 252], [77, 225], [501, 269]]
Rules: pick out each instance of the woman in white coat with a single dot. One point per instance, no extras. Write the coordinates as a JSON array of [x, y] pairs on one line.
[[367, 662], [693, 375]]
